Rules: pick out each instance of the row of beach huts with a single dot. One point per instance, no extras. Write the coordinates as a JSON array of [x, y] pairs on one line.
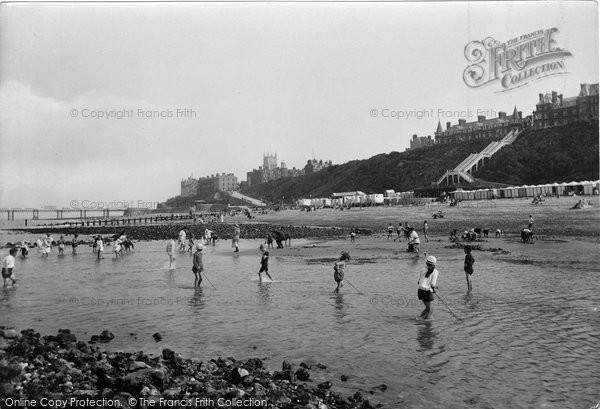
[[390, 197]]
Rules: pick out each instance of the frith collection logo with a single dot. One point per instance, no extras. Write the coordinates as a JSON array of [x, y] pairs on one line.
[[516, 62]]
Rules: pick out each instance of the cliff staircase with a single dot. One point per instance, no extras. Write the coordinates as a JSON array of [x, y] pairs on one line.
[[475, 160]]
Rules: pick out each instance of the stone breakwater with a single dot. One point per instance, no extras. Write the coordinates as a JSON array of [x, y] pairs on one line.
[[73, 374], [222, 230]]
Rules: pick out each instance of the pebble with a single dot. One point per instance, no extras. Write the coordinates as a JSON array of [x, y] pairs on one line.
[[34, 367]]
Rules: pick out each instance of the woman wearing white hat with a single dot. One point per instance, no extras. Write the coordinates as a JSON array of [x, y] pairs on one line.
[[427, 283]]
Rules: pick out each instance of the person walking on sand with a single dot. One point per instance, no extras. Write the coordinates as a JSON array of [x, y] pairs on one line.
[[8, 265], [264, 264], [198, 266], [530, 222], [427, 283], [171, 252], [425, 230], [469, 261], [390, 230], [235, 242], [338, 270]]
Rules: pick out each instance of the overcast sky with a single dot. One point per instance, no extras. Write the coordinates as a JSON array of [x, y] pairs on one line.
[[299, 79]]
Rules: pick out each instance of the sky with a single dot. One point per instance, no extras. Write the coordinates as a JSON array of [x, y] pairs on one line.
[[121, 101]]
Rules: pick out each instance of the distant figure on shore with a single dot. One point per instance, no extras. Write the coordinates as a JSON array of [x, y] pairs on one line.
[[198, 265], [338, 270], [399, 231], [469, 261], [74, 243], [207, 236], [171, 252], [527, 236], [279, 237], [190, 245], [269, 241], [287, 239], [498, 233], [530, 222], [8, 265], [235, 242], [427, 282], [100, 245], [264, 264], [390, 230], [47, 245], [425, 230], [182, 240], [61, 246], [413, 242], [353, 236], [40, 244], [117, 247], [24, 249]]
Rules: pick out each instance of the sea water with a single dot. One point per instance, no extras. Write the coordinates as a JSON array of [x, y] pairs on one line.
[[526, 337]]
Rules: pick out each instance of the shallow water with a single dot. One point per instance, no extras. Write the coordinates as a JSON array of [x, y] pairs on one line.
[[526, 339]]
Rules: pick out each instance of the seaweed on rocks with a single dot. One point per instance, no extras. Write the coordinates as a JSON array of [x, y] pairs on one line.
[[59, 366]]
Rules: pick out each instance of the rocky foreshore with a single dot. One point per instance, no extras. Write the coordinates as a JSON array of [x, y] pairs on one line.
[[222, 230], [64, 372]]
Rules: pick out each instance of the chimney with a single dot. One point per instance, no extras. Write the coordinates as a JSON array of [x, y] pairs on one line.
[[480, 118], [520, 114], [447, 125], [584, 90], [554, 97], [560, 98], [414, 137], [502, 115], [541, 97], [462, 122]]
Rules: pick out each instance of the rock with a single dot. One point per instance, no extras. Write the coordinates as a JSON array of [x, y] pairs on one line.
[[302, 374], [136, 365], [106, 336], [157, 337], [86, 393], [66, 338], [11, 334], [284, 375], [169, 355], [344, 378], [325, 385], [124, 398], [254, 363], [383, 387], [9, 371], [95, 338], [134, 382], [287, 366], [366, 405], [321, 366], [357, 397], [237, 375], [305, 365]]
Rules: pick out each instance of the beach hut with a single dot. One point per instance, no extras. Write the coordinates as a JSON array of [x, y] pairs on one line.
[[531, 191], [522, 191]]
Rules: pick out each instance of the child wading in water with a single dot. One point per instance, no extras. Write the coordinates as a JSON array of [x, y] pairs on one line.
[[8, 264], [338, 270], [427, 283], [198, 266], [264, 264], [469, 260]]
